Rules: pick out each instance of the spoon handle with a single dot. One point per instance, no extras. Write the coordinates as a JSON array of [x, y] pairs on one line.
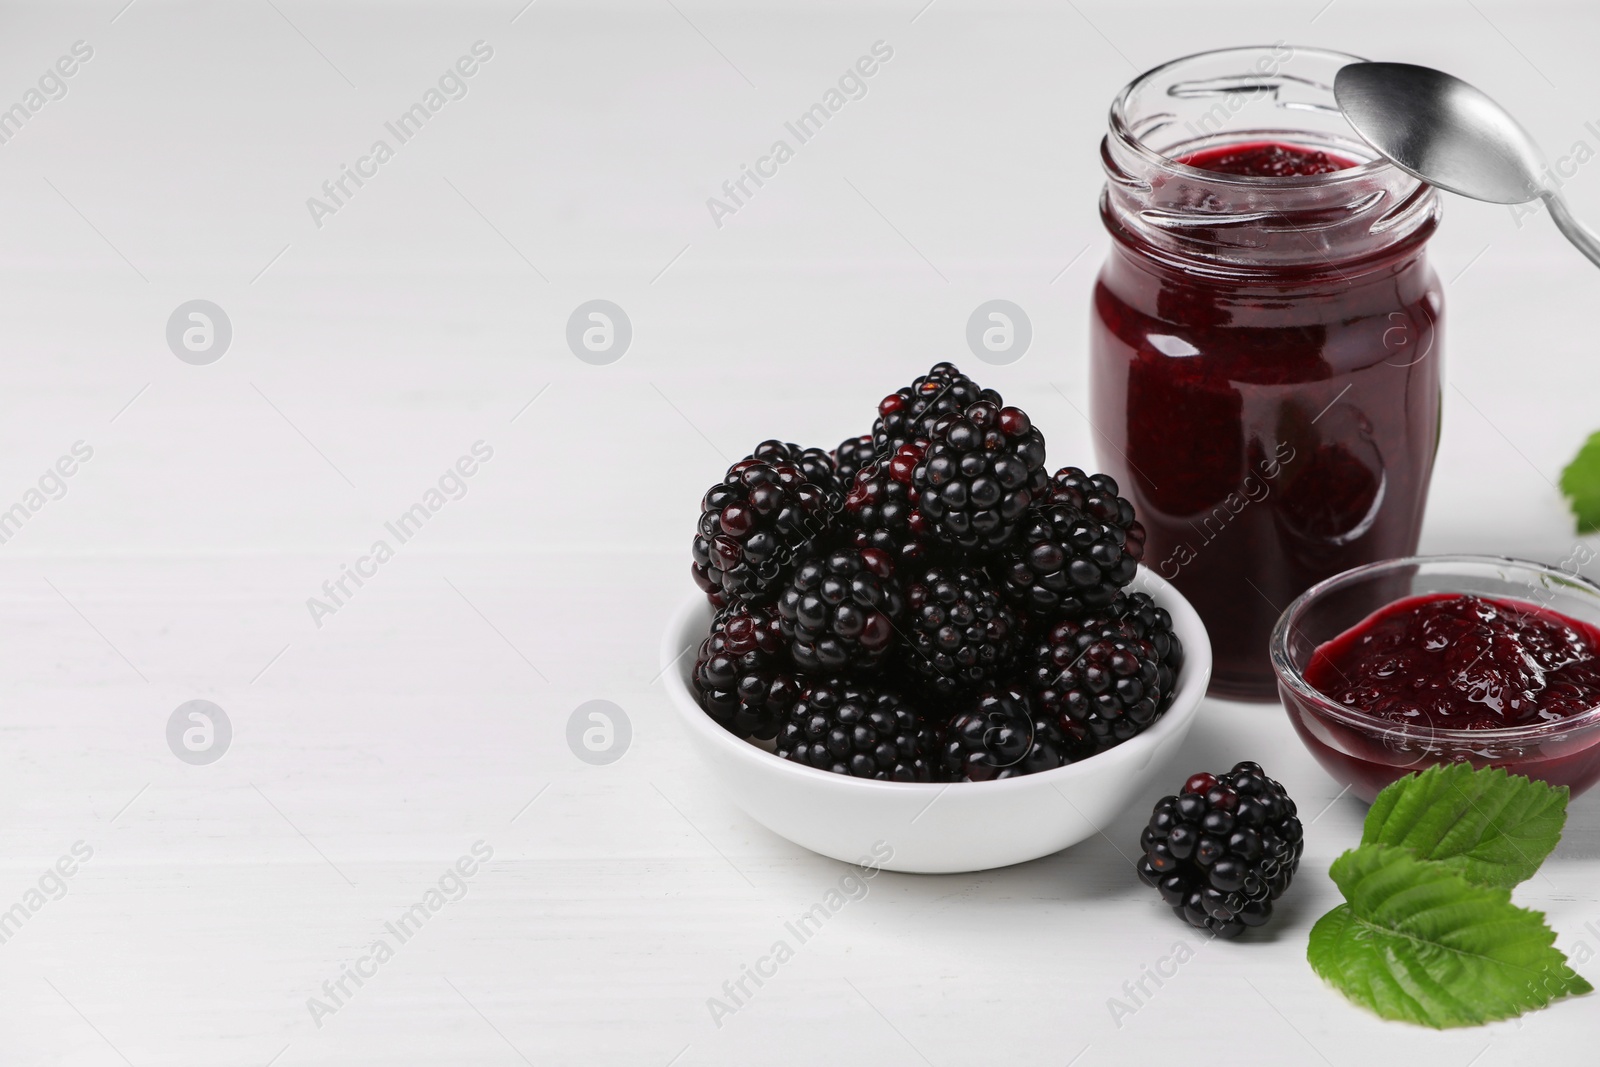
[[1573, 230]]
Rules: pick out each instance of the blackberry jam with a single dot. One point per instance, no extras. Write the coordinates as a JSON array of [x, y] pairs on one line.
[[1266, 159], [1398, 665], [1265, 340], [1455, 661]]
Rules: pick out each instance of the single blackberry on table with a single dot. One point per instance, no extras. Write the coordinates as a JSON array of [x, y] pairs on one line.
[[863, 730], [817, 465], [909, 414], [983, 469], [840, 609], [743, 676], [1078, 547], [998, 736], [960, 634], [1223, 850], [851, 455], [754, 524], [1106, 677], [881, 508]]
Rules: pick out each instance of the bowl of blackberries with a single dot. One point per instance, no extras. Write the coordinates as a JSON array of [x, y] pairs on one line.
[[922, 649]]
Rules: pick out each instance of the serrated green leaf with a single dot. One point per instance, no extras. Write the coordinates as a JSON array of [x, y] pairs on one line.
[[1494, 828], [1580, 484], [1418, 942]]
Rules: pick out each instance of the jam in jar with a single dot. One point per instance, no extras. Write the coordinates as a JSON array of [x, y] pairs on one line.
[[1264, 342]]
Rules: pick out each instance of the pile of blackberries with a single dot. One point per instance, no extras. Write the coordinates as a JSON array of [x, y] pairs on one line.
[[928, 602]]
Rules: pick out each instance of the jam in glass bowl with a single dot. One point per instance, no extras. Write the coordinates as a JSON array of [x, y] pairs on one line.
[[1397, 665]]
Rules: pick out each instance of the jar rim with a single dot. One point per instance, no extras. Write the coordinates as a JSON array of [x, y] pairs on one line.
[[1253, 226], [1124, 132]]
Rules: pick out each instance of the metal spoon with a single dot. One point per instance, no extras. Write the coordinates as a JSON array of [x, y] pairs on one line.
[[1438, 128]]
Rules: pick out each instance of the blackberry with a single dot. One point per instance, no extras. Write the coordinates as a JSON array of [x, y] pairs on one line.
[[998, 736], [983, 468], [1106, 677], [1077, 548], [960, 633], [867, 731], [1097, 496], [881, 508], [753, 526], [1223, 850], [1154, 625], [817, 465], [851, 456], [742, 676], [840, 609], [910, 414]]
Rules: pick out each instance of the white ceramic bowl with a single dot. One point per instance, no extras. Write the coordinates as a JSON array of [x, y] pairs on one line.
[[941, 827]]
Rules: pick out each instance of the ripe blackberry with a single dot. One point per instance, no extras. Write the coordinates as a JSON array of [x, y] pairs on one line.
[[881, 508], [817, 465], [1223, 850], [753, 526], [1106, 677], [743, 677], [909, 414], [867, 731], [1097, 496], [960, 633], [998, 736], [1077, 548], [839, 611], [1154, 625], [851, 455], [983, 468]]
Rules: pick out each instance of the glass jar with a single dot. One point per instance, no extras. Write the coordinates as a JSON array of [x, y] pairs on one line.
[[1264, 355]]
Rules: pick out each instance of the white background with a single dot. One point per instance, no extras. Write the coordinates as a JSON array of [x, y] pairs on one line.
[[368, 354]]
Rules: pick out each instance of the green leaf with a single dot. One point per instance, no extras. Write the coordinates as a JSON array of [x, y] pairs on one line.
[[1419, 943], [1580, 484], [1492, 827]]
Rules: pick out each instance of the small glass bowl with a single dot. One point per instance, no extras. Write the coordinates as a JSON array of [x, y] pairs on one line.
[[1367, 752]]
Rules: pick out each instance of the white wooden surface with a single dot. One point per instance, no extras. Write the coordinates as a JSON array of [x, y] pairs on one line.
[[429, 712]]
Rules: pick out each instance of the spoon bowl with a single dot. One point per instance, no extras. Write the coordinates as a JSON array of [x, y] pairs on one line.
[[1438, 128]]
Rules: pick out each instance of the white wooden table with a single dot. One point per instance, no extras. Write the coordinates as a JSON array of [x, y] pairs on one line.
[[377, 742]]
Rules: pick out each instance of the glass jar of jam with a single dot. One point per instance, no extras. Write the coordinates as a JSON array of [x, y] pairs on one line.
[[1264, 352]]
